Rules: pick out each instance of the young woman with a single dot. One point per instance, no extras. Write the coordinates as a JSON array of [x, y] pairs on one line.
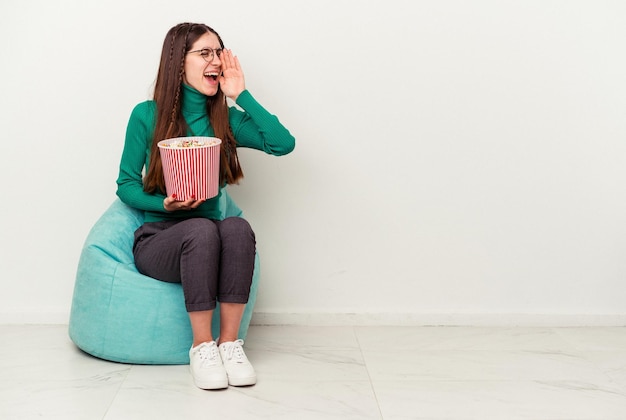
[[185, 241]]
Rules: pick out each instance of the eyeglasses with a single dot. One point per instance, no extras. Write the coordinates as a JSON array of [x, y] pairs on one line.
[[208, 53]]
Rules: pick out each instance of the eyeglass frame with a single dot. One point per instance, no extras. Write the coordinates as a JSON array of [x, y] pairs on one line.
[[211, 52]]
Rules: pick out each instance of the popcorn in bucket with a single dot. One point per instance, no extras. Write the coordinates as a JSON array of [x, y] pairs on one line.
[[191, 166]]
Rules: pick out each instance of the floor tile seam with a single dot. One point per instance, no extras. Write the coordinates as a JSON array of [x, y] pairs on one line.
[[568, 340], [367, 370], [120, 388]]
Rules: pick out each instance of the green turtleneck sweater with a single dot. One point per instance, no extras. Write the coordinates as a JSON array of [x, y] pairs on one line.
[[254, 127]]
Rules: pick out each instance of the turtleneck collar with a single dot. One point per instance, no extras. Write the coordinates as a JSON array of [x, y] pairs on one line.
[[194, 102]]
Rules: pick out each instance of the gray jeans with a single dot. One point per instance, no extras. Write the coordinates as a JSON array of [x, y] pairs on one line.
[[213, 260]]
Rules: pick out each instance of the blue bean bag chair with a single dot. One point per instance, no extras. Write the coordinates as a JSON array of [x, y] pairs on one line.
[[121, 315]]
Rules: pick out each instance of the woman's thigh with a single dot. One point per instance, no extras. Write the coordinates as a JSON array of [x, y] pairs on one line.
[[162, 248]]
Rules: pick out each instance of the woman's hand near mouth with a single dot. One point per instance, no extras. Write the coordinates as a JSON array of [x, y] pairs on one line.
[[231, 81]]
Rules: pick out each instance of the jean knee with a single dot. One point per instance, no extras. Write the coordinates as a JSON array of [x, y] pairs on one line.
[[201, 230], [236, 227]]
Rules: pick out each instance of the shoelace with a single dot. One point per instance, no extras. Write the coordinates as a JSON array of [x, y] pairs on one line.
[[235, 351], [208, 354]]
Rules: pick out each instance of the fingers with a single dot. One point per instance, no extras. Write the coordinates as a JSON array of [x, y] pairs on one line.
[[170, 203], [196, 204], [190, 204], [237, 66], [229, 60], [187, 204], [231, 81]]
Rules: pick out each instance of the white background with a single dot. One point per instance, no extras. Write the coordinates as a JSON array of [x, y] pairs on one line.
[[456, 161]]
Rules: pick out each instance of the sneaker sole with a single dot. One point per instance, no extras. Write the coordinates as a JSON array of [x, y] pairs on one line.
[[212, 385], [251, 380]]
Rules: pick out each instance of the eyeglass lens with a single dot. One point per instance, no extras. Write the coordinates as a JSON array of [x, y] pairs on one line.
[[208, 54]]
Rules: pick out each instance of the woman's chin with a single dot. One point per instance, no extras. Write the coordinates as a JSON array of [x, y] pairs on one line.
[[209, 91]]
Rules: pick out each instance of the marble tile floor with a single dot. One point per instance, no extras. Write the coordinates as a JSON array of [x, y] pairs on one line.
[[334, 373]]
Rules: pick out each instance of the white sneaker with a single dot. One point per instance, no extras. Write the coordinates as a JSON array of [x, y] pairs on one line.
[[206, 366], [239, 370]]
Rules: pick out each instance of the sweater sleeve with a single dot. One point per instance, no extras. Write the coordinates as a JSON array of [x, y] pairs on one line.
[[256, 128], [135, 157]]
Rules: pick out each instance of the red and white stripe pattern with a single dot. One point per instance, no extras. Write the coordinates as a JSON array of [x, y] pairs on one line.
[[191, 171]]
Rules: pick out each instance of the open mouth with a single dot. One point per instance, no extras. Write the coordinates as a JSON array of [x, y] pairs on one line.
[[211, 75]]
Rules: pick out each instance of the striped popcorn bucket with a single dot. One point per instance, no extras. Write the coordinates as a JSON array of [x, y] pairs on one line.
[[191, 166]]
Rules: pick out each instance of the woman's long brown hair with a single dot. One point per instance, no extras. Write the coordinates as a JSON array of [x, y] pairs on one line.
[[170, 122]]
